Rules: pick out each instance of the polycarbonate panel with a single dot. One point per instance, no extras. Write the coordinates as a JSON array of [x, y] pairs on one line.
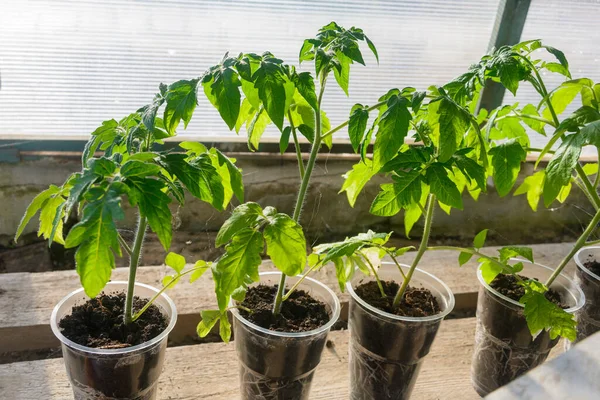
[[573, 27], [67, 65]]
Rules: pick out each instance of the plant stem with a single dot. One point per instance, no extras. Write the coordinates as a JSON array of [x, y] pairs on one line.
[[314, 152], [597, 179], [297, 145], [422, 247], [165, 287], [375, 275], [578, 245], [344, 124], [134, 261], [124, 244], [534, 117]]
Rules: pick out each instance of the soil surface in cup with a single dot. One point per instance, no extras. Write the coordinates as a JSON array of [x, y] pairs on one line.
[[417, 302], [593, 265], [98, 323], [300, 313], [508, 286]]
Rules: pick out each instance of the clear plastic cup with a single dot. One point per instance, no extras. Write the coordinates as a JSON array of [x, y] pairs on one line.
[[504, 347], [281, 365], [588, 317], [111, 374], [387, 350]]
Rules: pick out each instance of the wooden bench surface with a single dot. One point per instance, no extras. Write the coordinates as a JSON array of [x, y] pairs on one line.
[[27, 299]]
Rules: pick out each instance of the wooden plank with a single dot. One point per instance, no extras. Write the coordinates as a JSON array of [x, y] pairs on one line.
[[27, 299], [210, 371]]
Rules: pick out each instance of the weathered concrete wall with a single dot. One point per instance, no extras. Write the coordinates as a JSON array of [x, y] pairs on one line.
[[273, 181]]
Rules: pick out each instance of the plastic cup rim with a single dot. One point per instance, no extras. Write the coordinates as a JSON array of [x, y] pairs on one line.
[[439, 316], [579, 302], [583, 267], [324, 328], [92, 350]]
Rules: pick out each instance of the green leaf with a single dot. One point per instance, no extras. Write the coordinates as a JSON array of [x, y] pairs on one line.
[[175, 261], [235, 174], [286, 244], [471, 169], [506, 162], [356, 179], [97, 237], [541, 314], [357, 125], [200, 267], [244, 216], [508, 252], [393, 128], [224, 328], [154, 205], [510, 128], [564, 95], [209, 320], [138, 168], [533, 187], [344, 270], [453, 123], [306, 87], [256, 128], [35, 205], [102, 166], [223, 90], [372, 47], [181, 102], [479, 240], [284, 141], [489, 270], [275, 90], [534, 124], [405, 190], [561, 166], [239, 263], [464, 258], [441, 186], [580, 117], [413, 212], [590, 169], [342, 75], [199, 177], [51, 219]]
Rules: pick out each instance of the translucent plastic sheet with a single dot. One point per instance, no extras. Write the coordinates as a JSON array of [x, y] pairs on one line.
[[588, 317]]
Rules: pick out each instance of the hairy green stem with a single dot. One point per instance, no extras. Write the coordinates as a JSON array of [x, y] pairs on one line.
[[591, 190], [297, 145], [345, 123], [303, 189], [165, 287], [534, 117], [375, 275], [124, 244], [134, 261], [578, 245], [597, 179], [421, 250]]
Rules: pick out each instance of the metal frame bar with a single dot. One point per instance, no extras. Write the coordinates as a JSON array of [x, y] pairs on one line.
[[507, 30]]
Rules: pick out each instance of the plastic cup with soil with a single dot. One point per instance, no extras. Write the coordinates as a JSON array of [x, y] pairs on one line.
[[504, 346], [587, 277], [278, 355], [104, 358], [387, 345]]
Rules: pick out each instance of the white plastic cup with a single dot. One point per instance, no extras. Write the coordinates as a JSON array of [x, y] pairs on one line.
[[504, 346], [387, 350], [588, 317], [281, 365], [128, 373]]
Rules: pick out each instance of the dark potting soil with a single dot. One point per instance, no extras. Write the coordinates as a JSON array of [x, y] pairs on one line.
[[417, 302], [592, 265], [98, 323], [300, 313], [508, 286]]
